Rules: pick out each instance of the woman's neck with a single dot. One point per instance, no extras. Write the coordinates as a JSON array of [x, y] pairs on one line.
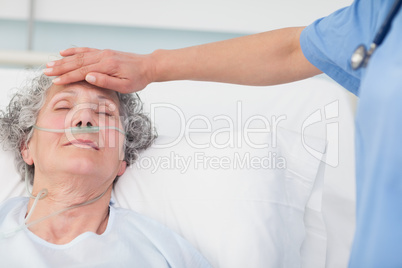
[[62, 228]]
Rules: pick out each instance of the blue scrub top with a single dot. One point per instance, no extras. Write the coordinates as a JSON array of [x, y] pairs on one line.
[[329, 44]]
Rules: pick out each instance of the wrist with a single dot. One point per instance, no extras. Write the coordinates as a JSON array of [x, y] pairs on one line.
[[158, 65]]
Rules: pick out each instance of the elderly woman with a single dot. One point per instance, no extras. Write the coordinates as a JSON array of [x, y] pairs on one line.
[[72, 142]]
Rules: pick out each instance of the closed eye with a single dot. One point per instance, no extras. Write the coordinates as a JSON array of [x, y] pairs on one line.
[[62, 108], [105, 113], [62, 105], [104, 110]]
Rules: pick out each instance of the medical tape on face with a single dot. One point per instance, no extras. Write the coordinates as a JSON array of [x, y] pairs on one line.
[[79, 130]]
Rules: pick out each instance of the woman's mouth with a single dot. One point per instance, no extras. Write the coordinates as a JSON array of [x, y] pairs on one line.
[[81, 143]]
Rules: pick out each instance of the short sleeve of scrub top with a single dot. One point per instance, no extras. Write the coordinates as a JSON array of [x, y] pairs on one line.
[[328, 44]]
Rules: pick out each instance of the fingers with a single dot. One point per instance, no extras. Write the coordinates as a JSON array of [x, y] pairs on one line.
[[76, 50], [71, 63], [73, 68], [109, 82], [103, 68], [73, 75], [78, 59]]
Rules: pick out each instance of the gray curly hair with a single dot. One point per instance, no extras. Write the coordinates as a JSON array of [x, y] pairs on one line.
[[16, 122]]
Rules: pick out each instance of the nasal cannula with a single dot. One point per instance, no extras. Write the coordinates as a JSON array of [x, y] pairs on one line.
[[79, 130]]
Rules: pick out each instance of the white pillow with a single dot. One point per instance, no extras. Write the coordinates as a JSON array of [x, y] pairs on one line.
[[229, 214], [237, 216]]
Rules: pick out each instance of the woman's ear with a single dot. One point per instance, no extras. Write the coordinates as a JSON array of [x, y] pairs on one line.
[[26, 154], [122, 169]]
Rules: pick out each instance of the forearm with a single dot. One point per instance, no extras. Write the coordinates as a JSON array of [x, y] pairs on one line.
[[262, 59], [267, 58]]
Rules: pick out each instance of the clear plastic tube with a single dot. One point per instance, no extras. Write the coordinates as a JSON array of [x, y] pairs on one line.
[[42, 194], [79, 130]]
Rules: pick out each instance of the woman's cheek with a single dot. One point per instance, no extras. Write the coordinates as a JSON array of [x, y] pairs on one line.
[[52, 121]]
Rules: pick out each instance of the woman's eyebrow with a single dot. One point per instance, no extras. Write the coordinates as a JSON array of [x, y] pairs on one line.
[[74, 93], [71, 93], [61, 94], [103, 97]]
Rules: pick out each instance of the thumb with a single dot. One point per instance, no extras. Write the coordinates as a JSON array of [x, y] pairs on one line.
[[98, 79], [108, 82], [92, 78]]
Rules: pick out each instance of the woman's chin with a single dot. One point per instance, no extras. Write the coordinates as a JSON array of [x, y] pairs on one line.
[[82, 166]]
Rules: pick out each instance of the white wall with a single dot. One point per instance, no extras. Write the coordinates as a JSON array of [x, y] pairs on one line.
[[236, 16]]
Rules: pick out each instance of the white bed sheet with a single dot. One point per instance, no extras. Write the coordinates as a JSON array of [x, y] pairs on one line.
[[297, 102]]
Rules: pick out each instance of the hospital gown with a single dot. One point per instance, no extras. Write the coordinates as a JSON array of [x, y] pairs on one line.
[[329, 44], [130, 240]]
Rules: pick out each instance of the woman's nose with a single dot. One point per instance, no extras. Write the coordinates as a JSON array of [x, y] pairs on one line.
[[83, 117], [79, 124]]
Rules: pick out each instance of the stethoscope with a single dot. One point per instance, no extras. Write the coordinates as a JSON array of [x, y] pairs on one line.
[[361, 56]]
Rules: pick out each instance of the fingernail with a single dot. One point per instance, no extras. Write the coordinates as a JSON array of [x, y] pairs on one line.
[[90, 79], [48, 70], [50, 64], [56, 80]]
